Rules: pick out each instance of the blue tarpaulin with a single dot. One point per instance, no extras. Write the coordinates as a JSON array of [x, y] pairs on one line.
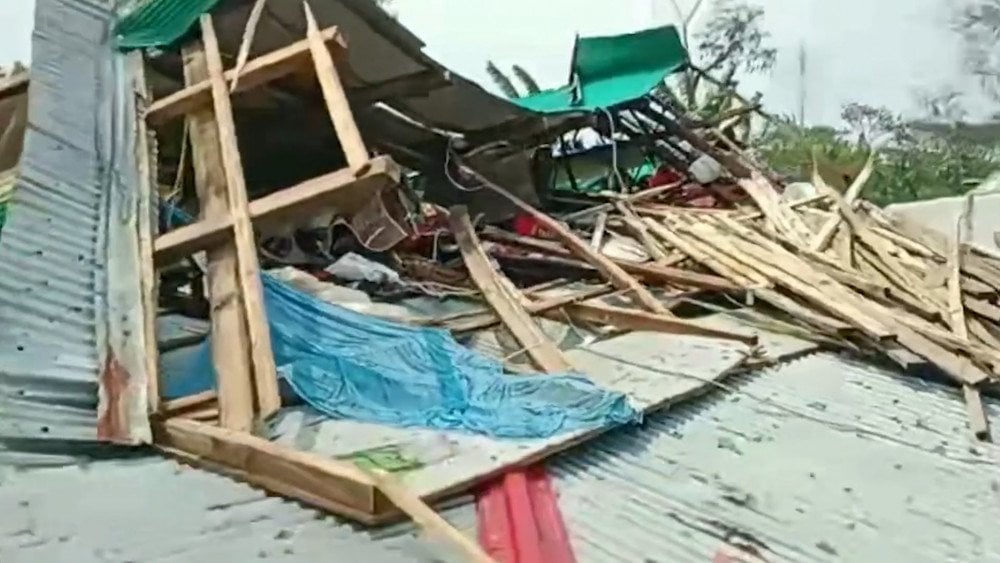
[[354, 366]]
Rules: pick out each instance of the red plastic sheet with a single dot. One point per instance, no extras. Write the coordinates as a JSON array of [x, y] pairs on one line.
[[520, 521]]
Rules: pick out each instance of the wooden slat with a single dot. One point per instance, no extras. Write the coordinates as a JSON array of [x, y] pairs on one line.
[[338, 190], [334, 96], [629, 319], [984, 309], [198, 400], [647, 271], [425, 517], [597, 237], [720, 264], [265, 375], [257, 72], [229, 336], [149, 282], [334, 486], [978, 423], [829, 230], [249, 30], [497, 291], [639, 231], [487, 319], [610, 270]]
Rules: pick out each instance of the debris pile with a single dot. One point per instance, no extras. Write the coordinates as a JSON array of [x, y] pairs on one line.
[[832, 268]]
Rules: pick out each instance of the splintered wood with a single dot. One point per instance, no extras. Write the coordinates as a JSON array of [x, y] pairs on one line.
[[834, 265]]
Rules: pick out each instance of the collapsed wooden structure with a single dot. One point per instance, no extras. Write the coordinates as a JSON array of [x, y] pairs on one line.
[[832, 269], [246, 375]]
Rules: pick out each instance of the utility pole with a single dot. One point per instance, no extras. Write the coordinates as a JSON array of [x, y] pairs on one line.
[[802, 84]]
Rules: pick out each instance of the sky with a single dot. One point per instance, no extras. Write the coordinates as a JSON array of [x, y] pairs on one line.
[[16, 22], [875, 51]]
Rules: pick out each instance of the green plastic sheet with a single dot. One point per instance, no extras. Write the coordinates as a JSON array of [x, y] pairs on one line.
[[156, 23], [6, 194], [608, 71]]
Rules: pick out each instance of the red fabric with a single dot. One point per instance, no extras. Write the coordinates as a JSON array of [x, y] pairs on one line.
[[520, 521], [665, 175], [527, 226]]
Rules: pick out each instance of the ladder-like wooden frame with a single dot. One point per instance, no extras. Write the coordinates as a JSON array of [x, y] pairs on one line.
[[246, 375]]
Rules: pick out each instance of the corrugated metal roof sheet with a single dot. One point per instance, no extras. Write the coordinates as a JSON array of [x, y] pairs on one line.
[[68, 259], [163, 512], [155, 23], [819, 460]]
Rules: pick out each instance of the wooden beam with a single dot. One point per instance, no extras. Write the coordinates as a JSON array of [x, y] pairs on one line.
[[257, 72], [425, 517], [149, 282], [229, 336], [335, 97], [978, 423], [830, 228], [338, 190], [629, 319], [334, 486], [649, 272], [498, 292], [486, 319], [265, 374]]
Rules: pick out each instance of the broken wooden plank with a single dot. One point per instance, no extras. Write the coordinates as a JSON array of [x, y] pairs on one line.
[[335, 97], [229, 335], [425, 517], [827, 232], [259, 71], [487, 319], [639, 231], [265, 374], [737, 272], [176, 406], [335, 486], [340, 191], [647, 271], [633, 198], [610, 270], [984, 309], [978, 423], [597, 238], [249, 30], [629, 319], [496, 290]]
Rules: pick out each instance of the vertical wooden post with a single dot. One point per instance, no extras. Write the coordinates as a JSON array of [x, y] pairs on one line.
[[336, 98], [147, 231], [230, 345], [264, 371]]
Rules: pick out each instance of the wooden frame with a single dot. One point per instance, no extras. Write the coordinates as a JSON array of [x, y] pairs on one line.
[[247, 379]]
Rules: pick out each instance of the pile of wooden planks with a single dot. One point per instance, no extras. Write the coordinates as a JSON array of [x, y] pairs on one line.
[[836, 267]]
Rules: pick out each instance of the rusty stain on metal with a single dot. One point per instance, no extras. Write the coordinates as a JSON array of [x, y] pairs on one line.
[[112, 421]]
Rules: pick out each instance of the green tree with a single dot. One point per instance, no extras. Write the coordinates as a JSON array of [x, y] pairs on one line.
[[506, 85], [501, 80], [978, 24], [530, 86]]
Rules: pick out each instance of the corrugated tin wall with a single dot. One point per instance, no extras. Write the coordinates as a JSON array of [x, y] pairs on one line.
[[68, 264]]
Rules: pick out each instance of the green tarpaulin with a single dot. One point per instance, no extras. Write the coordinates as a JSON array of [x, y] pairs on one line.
[[156, 23], [608, 71]]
